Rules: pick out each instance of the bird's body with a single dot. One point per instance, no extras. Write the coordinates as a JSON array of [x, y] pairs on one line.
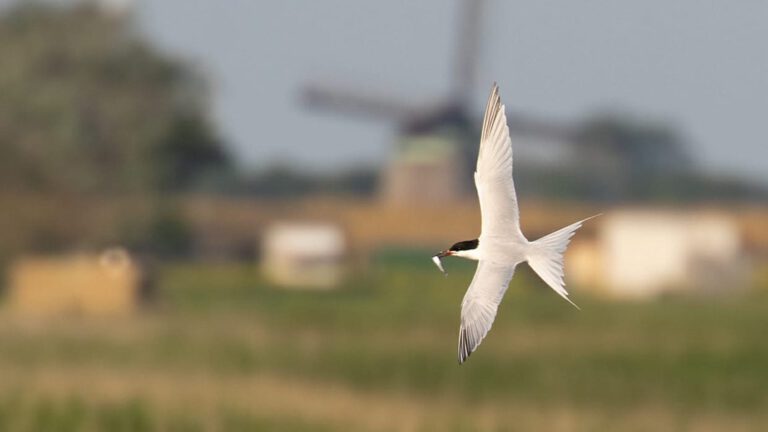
[[492, 249], [501, 245]]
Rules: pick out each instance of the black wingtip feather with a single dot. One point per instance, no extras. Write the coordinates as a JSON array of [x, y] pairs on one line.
[[491, 111], [465, 349]]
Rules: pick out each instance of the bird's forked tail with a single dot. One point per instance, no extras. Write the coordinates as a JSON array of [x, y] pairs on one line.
[[545, 257]]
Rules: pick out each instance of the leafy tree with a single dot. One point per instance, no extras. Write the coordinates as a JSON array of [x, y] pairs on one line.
[[88, 107], [97, 127]]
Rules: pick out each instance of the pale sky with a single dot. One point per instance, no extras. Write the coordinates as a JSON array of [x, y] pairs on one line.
[[702, 65]]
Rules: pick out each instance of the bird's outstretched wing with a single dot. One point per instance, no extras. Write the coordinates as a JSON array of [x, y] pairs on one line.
[[493, 175], [478, 309]]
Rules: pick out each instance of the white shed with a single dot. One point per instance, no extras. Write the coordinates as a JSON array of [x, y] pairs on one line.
[[642, 253], [304, 254]]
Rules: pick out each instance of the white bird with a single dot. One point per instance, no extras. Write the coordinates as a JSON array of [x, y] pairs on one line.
[[501, 245]]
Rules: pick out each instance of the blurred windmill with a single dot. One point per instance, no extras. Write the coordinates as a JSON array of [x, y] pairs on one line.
[[437, 142], [436, 146]]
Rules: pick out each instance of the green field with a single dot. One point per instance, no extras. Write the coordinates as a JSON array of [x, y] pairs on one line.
[[219, 349]]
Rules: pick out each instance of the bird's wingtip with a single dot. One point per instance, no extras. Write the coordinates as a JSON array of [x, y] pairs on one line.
[[465, 348], [462, 345]]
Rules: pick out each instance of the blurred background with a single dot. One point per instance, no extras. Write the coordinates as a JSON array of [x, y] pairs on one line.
[[219, 216]]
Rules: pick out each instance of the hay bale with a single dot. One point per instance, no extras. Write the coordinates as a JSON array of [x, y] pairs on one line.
[[88, 284]]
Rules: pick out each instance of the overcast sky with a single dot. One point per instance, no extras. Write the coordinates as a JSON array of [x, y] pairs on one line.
[[702, 65]]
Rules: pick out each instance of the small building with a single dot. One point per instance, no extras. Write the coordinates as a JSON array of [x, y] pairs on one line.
[[427, 170], [87, 284], [643, 253], [304, 254]]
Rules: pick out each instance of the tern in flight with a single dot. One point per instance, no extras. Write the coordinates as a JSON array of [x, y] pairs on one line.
[[501, 245]]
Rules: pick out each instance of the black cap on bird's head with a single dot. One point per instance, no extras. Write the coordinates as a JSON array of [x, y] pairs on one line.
[[465, 245]]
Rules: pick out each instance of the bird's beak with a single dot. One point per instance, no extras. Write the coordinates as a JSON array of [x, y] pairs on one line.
[[443, 254]]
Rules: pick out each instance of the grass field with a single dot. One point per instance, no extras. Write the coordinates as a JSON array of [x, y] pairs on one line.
[[221, 350]]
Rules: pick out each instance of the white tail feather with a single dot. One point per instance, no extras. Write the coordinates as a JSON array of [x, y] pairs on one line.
[[545, 257]]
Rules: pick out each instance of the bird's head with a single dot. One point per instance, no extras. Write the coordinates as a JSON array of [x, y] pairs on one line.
[[463, 249]]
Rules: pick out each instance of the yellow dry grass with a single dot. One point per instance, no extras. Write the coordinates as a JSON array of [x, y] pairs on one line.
[[346, 409]]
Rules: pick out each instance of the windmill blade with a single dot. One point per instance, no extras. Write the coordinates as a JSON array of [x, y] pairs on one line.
[[358, 103], [469, 17], [542, 127]]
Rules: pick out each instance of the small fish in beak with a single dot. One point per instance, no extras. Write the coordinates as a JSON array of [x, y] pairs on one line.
[[438, 263]]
